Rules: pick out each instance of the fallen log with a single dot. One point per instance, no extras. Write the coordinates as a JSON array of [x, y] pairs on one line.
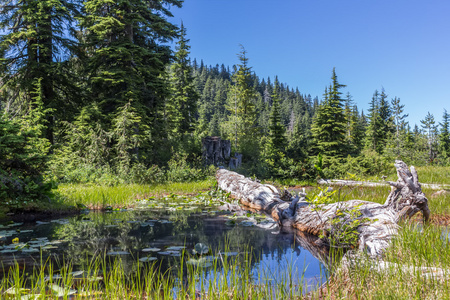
[[376, 223]]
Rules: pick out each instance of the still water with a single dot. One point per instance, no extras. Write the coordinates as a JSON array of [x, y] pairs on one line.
[[163, 231]]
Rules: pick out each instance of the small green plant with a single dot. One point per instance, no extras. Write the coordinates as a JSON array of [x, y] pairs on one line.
[[343, 232]]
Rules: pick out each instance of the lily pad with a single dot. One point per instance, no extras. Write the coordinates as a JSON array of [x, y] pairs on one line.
[[201, 249], [49, 247], [30, 250], [170, 253], [175, 248], [201, 262], [151, 250], [118, 253], [147, 259], [61, 292], [77, 273]]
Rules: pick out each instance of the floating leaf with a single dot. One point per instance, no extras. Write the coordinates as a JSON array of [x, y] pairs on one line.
[[170, 253], [117, 253], [30, 250], [15, 240], [151, 250], [49, 247], [175, 248], [15, 291], [201, 248], [77, 273], [8, 251], [61, 292], [147, 259], [201, 262]]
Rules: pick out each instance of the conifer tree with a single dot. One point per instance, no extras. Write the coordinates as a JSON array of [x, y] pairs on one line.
[[36, 36], [444, 135], [276, 138], [328, 128], [241, 124], [375, 126], [399, 119], [182, 104], [126, 61], [428, 124]]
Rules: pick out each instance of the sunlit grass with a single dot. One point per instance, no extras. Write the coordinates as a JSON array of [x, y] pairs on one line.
[[228, 277], [429, 174], [98, 196], [412, 250]]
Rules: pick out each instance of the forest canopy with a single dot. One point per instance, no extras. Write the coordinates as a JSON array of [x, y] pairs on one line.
[[93, 91]]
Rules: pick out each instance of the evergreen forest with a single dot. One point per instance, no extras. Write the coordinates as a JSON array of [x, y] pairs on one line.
[[105, 92]]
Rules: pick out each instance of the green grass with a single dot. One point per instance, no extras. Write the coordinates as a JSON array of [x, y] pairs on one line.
[[428, 174], [413, 249], [125, 195], [227, 278]]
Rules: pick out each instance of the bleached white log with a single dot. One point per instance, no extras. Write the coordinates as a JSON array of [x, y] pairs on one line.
[[405, 199]]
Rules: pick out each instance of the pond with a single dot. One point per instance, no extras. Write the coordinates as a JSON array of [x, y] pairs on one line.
[[170, 232]]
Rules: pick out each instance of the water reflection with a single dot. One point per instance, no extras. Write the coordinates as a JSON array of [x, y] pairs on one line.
[[163, 235]]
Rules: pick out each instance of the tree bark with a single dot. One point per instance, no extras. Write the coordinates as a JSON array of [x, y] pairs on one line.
[[379, 221]]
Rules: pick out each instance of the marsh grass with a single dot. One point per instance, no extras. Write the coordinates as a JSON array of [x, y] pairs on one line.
[[415, 247], [227, 278], [428, 174], [126, 195]]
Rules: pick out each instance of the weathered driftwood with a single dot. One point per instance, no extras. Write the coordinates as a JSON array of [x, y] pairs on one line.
[[405, 199]]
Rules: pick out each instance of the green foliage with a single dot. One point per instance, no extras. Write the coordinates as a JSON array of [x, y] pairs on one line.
[[328, 128], [179, 170], [241, 124], [428, 124], [23, 161], [182, 104], [369, 163], [444, 136], [343, 232]]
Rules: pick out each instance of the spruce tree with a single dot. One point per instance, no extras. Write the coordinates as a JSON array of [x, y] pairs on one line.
[[241, 124], [444, 135], [428, 124], [375, 127], [126, 59], [400, 123], [276, 139], [328, 128], [182, 103], [36, 36]]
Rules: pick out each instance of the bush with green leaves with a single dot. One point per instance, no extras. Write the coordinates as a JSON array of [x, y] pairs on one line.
[[369, 163], [179, 169]]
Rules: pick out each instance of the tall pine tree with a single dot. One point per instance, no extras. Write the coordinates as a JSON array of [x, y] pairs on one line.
[[329, 124], [182, 103], [241, 124]]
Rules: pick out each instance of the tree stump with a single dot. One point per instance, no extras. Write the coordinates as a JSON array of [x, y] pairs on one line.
[[215, 150]]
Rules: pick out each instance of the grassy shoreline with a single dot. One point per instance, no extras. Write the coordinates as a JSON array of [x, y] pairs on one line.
[[415, 246]]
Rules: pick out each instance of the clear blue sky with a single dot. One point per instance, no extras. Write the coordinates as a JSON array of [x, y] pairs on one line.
[[401, 45]]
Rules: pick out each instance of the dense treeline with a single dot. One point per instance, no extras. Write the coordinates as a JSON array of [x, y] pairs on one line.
[[91, 91]]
